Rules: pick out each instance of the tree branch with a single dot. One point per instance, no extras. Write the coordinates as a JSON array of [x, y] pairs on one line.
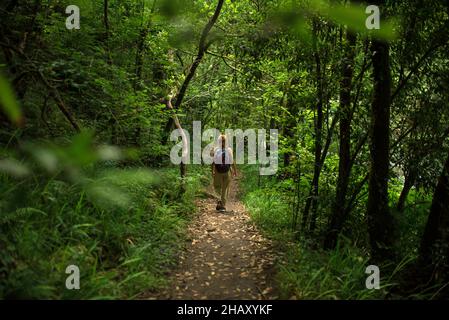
[[202, 48], [53, 90]]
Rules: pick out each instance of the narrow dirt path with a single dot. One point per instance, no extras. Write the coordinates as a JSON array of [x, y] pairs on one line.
[[226, 258]]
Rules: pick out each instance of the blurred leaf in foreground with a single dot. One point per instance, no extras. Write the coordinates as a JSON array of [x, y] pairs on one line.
[[354, 17], [13, 168], [8, 101], [296, 17], [114, 188]]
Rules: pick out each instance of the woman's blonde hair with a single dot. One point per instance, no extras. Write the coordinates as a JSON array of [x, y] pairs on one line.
[[222, 140]]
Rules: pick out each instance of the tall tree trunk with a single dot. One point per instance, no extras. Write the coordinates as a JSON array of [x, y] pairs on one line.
[[436, 232], [319, 118], [344, 165], [379, 218]]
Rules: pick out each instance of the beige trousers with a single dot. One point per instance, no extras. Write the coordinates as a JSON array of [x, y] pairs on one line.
[[221, 185]]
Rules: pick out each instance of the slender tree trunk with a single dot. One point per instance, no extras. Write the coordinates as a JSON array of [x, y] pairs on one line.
[[330, 133], [106, 27], [182, 167], [344, 165], [288, 125], [54, 93], [436, 232], [319, 118], [106, 16], [114, 135], [140, 52], [408, 184], [379, 218], [296, 206], [288, 134]]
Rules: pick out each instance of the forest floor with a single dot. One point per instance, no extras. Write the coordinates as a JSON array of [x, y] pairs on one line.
[[226, 257]]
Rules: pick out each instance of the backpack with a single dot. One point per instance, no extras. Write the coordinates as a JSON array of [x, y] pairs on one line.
[[222, 161]]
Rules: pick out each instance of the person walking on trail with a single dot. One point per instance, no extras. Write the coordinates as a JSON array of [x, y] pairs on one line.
[[222, 167]]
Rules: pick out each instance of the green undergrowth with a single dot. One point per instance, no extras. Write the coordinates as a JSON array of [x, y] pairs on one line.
[[122, 228], [306, 272]]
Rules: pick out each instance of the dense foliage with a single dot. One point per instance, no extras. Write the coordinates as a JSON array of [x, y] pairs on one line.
[[362, 115]]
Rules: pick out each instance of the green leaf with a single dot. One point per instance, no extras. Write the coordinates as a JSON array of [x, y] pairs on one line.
[[354, 17], [8, 101]]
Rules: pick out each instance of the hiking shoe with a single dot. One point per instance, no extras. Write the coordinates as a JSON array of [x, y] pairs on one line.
[[222, 209]]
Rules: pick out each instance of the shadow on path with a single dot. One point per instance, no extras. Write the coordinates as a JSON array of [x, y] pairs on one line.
[[226, 257]]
